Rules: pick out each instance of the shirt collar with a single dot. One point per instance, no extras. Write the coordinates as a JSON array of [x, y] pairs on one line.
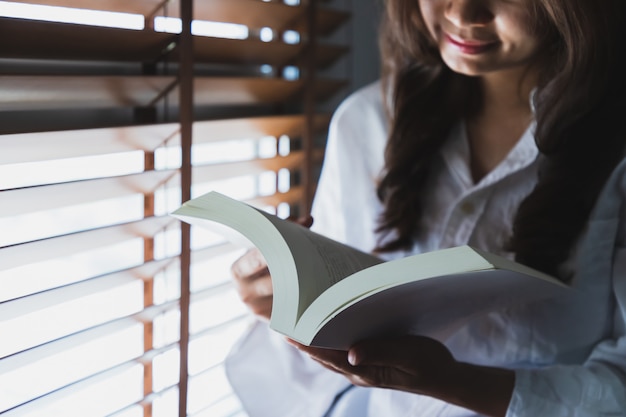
[[456, 155]]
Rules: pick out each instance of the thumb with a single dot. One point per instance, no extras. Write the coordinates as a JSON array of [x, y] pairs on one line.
[[403, 353], [413, 364], [306, 221]]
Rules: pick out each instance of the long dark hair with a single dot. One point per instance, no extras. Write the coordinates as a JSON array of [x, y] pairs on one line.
[[579, 100]]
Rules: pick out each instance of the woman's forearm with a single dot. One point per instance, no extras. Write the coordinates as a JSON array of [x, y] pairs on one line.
[[422, 366], [482, 389]]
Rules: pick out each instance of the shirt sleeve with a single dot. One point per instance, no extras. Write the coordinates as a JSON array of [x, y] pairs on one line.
[[596, 388], [272, 378]]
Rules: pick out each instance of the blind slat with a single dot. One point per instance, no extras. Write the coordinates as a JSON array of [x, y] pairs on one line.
[[30, 92], [235, 51], [64, 311], [122, 385], [258, 14], [142, 7], [63, 247], [34, 199], [255, 127], [10, 310], [50, 292], [31, 147], [233, 169], [84, 347], [52, 40], [49, 40], [291, 197], [240, 91], [252, 13]]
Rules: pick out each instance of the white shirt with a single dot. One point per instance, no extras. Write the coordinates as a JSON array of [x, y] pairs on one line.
[[569, 356]]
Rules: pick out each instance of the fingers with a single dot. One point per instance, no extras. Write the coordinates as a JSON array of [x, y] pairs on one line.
[[258, 296], [249, 266], [306, 221], [254, 283], [413, 364], [252, 278], [336, 360], [399, 352]]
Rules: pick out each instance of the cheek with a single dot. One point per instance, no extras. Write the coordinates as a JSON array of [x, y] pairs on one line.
[[517, 29], [429, 12]]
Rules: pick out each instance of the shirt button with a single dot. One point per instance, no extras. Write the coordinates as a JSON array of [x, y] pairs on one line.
[[467, 207]]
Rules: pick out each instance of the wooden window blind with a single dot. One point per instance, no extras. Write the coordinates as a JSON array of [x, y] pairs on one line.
[[112, 113]]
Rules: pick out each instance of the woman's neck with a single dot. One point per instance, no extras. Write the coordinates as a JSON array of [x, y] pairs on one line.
[[498, 124], [506, 91]]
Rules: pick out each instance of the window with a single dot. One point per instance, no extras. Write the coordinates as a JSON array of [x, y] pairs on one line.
[[110, 117]]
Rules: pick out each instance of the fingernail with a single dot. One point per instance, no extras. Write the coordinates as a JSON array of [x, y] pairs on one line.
[[352, 359], [263, 288], [254, 263]]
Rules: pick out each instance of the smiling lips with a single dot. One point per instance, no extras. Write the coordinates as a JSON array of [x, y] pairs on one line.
[[470, 47]]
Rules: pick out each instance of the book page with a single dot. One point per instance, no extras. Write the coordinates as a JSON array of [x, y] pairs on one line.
[[217, 212], [427, 294], [321, 262], [330, 294], [303, 264], [434, 307]]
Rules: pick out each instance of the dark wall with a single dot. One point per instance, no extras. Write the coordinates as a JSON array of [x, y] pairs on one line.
[[362, 65], [365, 53]]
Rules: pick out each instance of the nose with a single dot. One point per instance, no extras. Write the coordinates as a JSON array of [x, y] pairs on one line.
[[464, 13]]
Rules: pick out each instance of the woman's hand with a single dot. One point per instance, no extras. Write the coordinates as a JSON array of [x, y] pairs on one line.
[[422, 366], [414, 364], [253, 281]]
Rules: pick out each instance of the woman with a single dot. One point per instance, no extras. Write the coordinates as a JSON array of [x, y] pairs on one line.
[[504, 132]]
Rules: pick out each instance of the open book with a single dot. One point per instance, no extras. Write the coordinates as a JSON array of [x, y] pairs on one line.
[[331, 295]]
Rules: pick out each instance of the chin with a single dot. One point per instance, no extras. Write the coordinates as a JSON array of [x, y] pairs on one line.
[[469, 70]]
